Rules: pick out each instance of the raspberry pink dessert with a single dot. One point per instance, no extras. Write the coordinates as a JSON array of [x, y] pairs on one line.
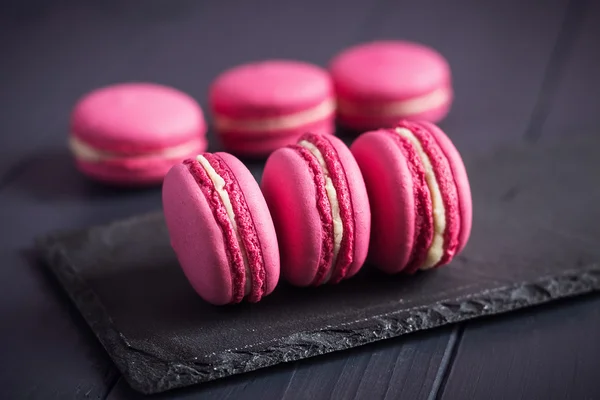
[[221, 229], [260, 107], [132, 134], [380, 82], [320, 208], [419, 193]]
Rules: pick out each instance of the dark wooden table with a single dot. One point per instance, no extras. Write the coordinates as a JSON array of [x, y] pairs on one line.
[[524, 70]]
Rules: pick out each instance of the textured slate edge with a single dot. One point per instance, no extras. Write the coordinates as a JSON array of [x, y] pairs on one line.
[[149, 374]]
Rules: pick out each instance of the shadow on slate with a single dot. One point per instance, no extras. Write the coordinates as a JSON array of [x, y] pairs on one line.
[[534, 239]]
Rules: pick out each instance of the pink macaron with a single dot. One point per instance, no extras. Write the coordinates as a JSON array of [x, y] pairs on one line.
[[131, 134], [320, 208], [262, 106], [221, 229], [419, 193], [380, 82]]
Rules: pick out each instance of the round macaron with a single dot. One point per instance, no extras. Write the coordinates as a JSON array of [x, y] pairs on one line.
[[419, 193], [262, 106], [380, 82], [131, 134], [320, 208], [221, 229]]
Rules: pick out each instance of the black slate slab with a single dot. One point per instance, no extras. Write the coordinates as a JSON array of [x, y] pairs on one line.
[[534, 239]]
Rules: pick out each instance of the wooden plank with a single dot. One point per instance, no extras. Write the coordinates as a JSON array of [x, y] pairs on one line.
[[54, 55], [574, 107], [549, 353], [497, 51], [552, 354], [48, 352], [497, 56], [395, 369]]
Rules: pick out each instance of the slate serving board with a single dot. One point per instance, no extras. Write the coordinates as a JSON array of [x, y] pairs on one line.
[[535, 239]]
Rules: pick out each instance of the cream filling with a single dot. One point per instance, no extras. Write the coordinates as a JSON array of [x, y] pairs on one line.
[[415, 105], [219, 184], [319, 112], [85, 152], [338, 228], [436, 250]]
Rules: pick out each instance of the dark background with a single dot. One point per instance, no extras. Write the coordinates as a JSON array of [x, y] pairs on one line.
[[524, 72]]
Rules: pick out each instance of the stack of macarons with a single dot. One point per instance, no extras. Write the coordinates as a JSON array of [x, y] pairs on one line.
[[399, 196], [131, 134]]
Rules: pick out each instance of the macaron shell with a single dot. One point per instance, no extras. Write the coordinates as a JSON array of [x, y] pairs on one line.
[[269, 88], [261, 218], [360, 205], [196, 237], [134, 118], [388, 70], [133, 171], [289, 191], [390, 190], [461, 179], [373, 122], [245, 143]]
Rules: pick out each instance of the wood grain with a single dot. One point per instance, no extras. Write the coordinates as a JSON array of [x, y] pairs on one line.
[[48, 352], [393, 369], [498, 53], [551, 354], [574, 107], [547, 353]]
